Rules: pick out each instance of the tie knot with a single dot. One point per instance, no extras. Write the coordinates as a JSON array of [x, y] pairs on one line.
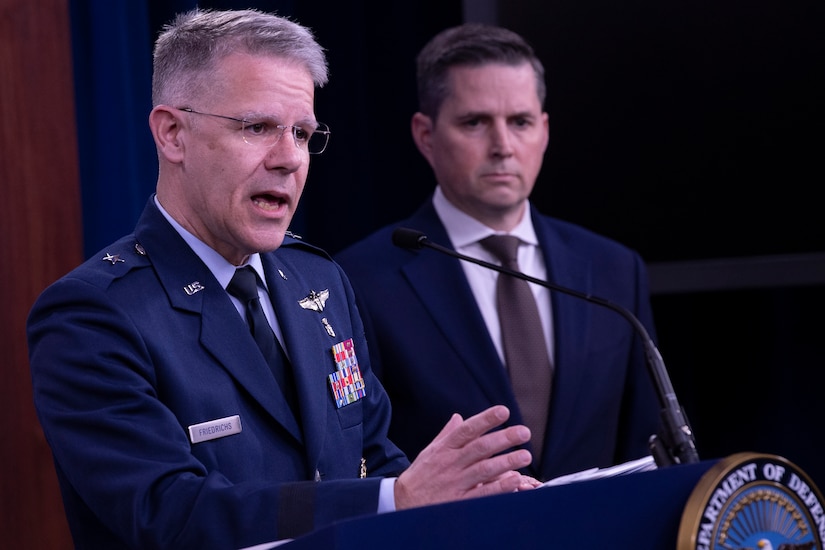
[[244, 284], [503, 247]]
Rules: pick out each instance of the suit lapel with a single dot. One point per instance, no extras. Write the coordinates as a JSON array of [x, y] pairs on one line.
[[453, 307], [571, 324]]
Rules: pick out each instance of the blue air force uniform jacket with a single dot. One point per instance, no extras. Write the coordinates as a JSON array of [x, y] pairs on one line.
[[141, 342]]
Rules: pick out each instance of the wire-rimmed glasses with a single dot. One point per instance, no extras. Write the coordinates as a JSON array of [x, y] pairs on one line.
[[266, 133]]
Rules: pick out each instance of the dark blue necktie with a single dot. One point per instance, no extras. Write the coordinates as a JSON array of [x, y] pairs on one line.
[[244, 287]]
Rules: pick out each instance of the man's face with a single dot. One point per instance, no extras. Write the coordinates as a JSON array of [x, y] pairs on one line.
[[487, 145], [237, 197]]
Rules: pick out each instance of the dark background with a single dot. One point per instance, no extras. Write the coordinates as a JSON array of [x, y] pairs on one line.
[[690, 131]]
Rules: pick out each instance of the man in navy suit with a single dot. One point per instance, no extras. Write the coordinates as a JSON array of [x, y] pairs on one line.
[[431, 320], [167, 425]]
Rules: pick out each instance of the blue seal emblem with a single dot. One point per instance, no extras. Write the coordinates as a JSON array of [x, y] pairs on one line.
[[751, 501]]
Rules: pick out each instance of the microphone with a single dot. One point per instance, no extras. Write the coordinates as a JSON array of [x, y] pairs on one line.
[[675, 443]]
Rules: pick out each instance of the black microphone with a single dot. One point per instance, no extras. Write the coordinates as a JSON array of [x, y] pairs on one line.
[[675, 442]]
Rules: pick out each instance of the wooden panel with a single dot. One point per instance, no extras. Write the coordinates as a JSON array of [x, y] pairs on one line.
[[40, 239]]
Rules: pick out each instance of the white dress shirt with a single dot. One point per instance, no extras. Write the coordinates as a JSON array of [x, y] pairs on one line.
[[465, 233]]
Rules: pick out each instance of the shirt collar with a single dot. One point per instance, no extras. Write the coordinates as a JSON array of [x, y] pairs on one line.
[[464, 230], [217, 264]]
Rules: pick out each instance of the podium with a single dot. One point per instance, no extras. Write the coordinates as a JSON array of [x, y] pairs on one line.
[[632, 511]]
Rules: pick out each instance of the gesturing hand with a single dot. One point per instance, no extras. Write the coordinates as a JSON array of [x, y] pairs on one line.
[[463, 461]]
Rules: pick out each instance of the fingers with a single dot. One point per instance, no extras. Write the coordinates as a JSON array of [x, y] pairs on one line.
[[528, 482], [471, 436], [487, 445], [468, 458], [487, 468], [473, 427], [457, 434], [508, 482], [448, 428]]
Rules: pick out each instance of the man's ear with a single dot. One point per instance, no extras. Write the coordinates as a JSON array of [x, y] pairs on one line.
[[166, 127], [545, 121], [422, 133]]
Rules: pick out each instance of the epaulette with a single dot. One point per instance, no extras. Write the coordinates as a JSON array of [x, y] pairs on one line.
[[293, 241]]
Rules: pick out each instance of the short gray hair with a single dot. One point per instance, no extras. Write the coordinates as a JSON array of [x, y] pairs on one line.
[[188, 48], [469, 45]]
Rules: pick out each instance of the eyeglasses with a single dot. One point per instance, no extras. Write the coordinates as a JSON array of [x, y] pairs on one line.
[[266, 133]]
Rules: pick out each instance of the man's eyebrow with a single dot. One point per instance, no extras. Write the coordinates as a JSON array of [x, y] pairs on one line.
[[486, 114], [474, 114], [253, 116], [523, 114]]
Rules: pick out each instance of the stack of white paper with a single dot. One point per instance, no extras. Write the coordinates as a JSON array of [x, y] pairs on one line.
[[640, 465]]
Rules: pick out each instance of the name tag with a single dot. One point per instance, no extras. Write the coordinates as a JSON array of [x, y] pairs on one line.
[[214, 429]]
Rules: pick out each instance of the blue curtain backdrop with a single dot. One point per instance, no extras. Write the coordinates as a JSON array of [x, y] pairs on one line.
[[112, 49], [111, 44], [353, 188]]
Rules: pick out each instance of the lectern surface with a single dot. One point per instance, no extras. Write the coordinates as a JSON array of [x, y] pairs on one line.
[[633, 511]]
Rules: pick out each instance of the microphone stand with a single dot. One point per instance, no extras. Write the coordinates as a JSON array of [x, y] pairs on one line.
[[675, 442]]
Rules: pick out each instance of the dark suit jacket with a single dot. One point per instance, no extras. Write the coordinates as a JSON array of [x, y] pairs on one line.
[[431, 348], [129, 351]]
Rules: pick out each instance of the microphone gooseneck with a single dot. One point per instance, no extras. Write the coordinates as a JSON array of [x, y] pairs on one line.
[[675, 443]]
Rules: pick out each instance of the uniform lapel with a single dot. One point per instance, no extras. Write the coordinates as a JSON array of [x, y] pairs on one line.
[[307, 342], [232, 345], [192, 287]]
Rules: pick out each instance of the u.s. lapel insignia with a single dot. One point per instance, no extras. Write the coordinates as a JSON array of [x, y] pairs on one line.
[[114, 259], [281, 273], [315, 300], [193, 287], [346, 382]]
